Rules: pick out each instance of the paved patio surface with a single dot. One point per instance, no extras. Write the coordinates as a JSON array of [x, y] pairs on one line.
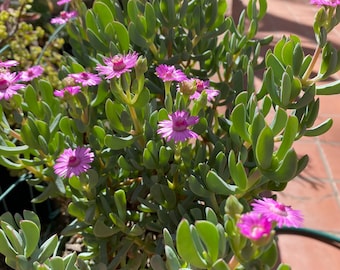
[[316, 192]]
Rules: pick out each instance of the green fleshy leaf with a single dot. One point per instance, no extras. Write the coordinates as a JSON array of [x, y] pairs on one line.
[[289, 137], [264, 148], [47, 248], [319, 129], [186, 247], [239, 121], [31, 233], [101, 230], [120, 202], [104, 13], [216, 184], [209, 235]]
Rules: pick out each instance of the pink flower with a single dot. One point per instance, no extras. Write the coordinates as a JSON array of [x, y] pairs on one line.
[[72, 90], [170, 73], [274, 211], [9, 85], [254, 226], [64, 17], [177, 127], [117, 65], [62, 2], [331, 3], [8, 63], [31, 73], [85, 78], [73, 162], [204, 86]]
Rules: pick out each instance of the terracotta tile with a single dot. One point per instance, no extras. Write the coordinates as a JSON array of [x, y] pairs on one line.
[[337, 189], [305, 253], [331, 152], [332, 135], [316, 168], [318, 202], [329, 105]]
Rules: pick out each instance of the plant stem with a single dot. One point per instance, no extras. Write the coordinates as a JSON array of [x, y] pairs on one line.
[[233, 263], [136, 124], [168, 98], [311, 65]]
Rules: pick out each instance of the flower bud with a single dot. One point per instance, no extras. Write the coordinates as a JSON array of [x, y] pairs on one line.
[[188, 87], [68, 81], [233, 206], [141, 66]]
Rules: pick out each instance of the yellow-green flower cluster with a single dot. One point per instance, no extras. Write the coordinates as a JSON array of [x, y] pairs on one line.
[[22, 41]]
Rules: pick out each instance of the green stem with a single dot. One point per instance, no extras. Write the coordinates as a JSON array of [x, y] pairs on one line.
[[52, 37], [136, 123], [168, 97], [153, 49]]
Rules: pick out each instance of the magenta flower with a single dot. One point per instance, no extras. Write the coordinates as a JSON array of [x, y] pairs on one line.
[[8, 64], [72, 90], [31, 73], [73, 162], [331, 3], [170, 73], [254, 226], [281, 214], [64, 17], [62, 2], [177, 127], [204, 86], [9, 85], [85, 78], [117, 65]]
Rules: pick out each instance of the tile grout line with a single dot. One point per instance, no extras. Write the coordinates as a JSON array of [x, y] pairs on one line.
[[328, 171]]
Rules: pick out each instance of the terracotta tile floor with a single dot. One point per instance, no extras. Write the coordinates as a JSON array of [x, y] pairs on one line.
[[316, 192]]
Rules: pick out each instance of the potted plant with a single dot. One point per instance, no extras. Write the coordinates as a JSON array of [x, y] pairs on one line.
[[158, 139]]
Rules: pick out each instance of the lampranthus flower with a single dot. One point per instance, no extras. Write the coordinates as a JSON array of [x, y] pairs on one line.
[[31, 73], [331, 3], [85, 78], [177, 127], [73, 162], [64, 17], [254, 226], [72, 90], [117, 65], [170, 73], [62, 2], [9, 85], [8, 64], [204, 86], [277, 212]]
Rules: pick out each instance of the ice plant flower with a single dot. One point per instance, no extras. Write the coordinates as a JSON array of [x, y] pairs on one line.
[[331, 3], [254, 226], [62, 2], [277, 212], [116, 65], [73, 162], [204, 86], [64, 17], [8, 64], [170, 73], [85, 78], [31, 73], [72, 90], [177, 127], [9, 85]]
